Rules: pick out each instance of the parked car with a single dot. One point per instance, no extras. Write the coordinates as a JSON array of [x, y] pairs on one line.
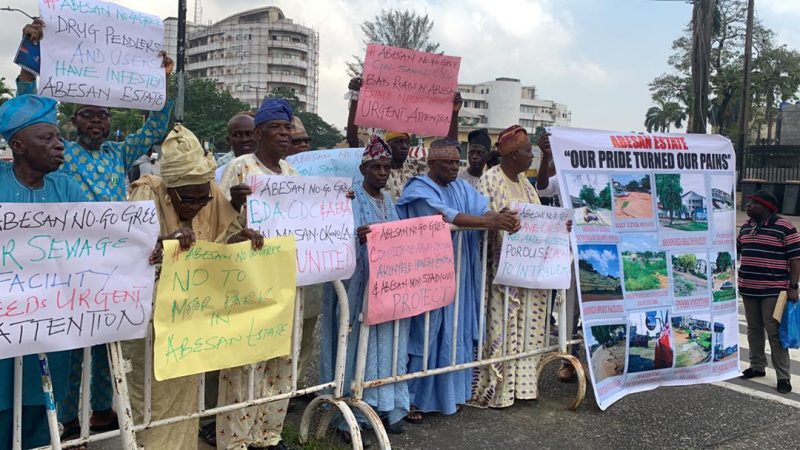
[[726, 286]]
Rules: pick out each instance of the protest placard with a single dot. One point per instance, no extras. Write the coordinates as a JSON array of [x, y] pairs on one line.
[[74, 275], [220, 306], [538, 255], [99, 53], [407, 90], [337, 162], [654, 256], [411, 268], [317, 212]]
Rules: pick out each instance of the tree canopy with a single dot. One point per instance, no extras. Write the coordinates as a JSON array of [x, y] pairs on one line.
[[323, 135]]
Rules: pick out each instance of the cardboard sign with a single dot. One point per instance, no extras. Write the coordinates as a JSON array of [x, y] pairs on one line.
[[98, 53], [317, 212], [220, 306], [411, 268], [407, 90], [538, 255], [74, 275]]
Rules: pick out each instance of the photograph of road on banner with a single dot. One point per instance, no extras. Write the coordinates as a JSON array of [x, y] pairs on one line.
[[682, 202], [722, 277], [690, 280], [649, 341], [723, 204], [644, 271], [692, 336], [633, 202], [590, 196], [606, 344]]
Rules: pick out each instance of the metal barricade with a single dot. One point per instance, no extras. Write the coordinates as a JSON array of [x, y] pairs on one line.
[[551, 352], [120, 367]]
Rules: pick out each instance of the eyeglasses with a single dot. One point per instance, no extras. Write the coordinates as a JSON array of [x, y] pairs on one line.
[[90, 114], [301, 141], [193, 201]]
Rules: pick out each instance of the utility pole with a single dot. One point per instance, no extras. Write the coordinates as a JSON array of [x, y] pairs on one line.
[[702, 25], [744, 113], [181, 63]]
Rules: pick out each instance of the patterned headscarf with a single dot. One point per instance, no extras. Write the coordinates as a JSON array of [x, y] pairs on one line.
[[376, 149], [23, 111], [511, 139], [184, 162]]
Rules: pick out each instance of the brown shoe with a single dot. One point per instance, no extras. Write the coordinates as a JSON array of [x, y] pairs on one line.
[[566, 373]]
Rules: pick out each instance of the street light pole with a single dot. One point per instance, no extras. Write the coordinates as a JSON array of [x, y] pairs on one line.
[[744, 113], [180, 64], [258, 97]]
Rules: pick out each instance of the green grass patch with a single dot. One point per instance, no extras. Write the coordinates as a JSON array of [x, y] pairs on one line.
[[291, 437], [689, 226], [682, 286], [643, 274], [721, 296]]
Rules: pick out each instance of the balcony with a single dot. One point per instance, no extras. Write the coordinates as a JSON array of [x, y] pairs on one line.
[[274, 43], [289, 79], [281, 61]]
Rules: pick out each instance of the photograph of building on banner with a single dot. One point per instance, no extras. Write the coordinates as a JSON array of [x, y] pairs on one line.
[[411, 268], [221, 306], [103, 54], [407, 90], [655, 256], [74, 275], [317, 212], [538, 256]]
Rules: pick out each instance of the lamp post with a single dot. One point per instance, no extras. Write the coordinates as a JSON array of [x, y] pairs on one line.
[[180, 63], [258, 97]]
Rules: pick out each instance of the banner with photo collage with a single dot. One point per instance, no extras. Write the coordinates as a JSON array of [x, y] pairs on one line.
[[655, 256]]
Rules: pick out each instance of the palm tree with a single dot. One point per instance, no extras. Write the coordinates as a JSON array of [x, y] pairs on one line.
[[661, 118]]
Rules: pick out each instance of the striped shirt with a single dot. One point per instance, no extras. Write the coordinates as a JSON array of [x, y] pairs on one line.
[[766, 250]]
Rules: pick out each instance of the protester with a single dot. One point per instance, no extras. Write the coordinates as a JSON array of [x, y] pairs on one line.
[[494, 159], [770, 263], [28, 123], [403, 167], [300, 140], [480, 147], [190, 207], [441, 192], [372, 205], [145, 165], [258, 426], [100, 167], [499, 384], [240, 138]]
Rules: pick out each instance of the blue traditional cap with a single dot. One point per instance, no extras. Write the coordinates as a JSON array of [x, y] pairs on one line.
[[24, 111], [274, 109]]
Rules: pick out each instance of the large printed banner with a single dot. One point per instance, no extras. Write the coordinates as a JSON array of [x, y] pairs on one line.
[[98, 53], [338, 162], [220, 306], [407, 90], [538, 255], [411, 268], [317, 212], [74, 275], [655, 255]]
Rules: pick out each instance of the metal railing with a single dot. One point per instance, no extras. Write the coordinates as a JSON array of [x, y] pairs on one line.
[[772, 163], [120, 367]]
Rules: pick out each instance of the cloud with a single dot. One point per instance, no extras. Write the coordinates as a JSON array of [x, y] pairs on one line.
[[600, 259]]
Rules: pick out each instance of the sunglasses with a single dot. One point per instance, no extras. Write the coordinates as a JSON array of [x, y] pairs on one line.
[[301, 141], [191, 200]]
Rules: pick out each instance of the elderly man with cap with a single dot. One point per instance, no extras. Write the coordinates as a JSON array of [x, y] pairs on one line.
[[258, 426], [769, 246], [442, 192], [480, 148], [100, 167], [28, 124], [499, 384], [190, 207], [372, 205], [241, 129], [300, 141]]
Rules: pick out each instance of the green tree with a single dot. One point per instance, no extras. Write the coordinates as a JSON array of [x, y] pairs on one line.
[[604, 199], [126, 121], [663, 117], [633, 186], [323, 135], [644, 183], [588, 195], [669, 193], [207, 110], [396, 28], [5, 91], [724, 261]]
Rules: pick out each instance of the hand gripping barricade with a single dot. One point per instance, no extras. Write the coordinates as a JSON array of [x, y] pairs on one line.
[[128, 429], [551, 352]]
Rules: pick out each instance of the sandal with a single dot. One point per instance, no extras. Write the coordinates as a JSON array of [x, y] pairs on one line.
[[393, 428], [414, 416]]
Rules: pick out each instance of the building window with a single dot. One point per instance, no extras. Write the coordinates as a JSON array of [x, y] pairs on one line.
[[526, 109], [487, 91]]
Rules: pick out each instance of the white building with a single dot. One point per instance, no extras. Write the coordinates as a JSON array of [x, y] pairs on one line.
[[503, 102], [251, 53]]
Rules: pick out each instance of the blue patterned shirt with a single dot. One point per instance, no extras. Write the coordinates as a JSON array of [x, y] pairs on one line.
[[101, 173]]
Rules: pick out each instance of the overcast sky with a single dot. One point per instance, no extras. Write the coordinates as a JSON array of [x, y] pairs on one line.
[[597, 56]]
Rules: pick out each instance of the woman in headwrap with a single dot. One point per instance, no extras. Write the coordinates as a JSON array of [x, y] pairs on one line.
[[372, 204], [499, 384], [190, 207]]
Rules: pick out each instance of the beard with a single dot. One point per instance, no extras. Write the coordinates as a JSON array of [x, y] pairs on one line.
[[91, 142]]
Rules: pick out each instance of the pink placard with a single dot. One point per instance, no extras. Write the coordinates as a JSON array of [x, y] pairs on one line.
[[407, 90], [411, 268]]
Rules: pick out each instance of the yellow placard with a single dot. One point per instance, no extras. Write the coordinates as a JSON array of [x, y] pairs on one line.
[[220, 306]]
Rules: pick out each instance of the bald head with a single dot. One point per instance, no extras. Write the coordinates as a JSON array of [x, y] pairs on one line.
[[240, 134]]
